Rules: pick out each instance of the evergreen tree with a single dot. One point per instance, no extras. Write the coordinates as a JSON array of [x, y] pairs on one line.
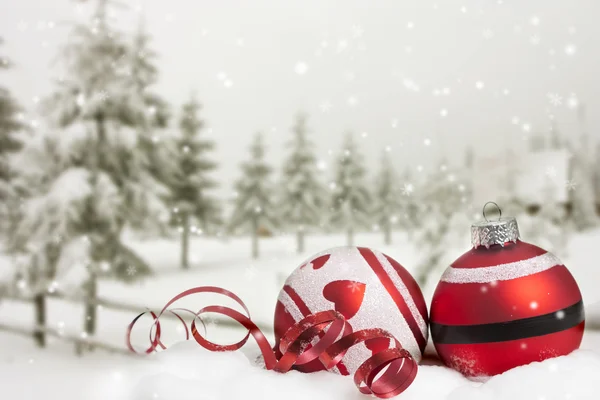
[[446, 221], [97, 123], [597, 178], [581, 174], [253, 209], [155, 111], [555, 139], [410, 218], [388, 199], [302, 195], [351, 199], [9, 143], [191, 184]]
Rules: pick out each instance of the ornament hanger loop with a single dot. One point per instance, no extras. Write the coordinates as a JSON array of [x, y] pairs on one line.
[[497, 206]]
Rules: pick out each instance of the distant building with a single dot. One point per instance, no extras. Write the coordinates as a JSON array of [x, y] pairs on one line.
[[529, 179], [551, 170]]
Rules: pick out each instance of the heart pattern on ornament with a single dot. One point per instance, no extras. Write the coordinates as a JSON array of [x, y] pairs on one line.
[[347, 296], [377, 345], [318, 262]]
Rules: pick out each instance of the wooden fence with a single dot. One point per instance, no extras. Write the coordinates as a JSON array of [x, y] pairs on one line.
[[82, 342]]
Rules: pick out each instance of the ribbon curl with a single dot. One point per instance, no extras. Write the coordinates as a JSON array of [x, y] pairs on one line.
[[385, 374]]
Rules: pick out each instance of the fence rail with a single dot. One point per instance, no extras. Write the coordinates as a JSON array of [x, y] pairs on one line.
[[81, 342]]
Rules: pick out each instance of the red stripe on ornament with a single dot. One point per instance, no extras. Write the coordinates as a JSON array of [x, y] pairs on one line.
[[496, 255], [411, 285], [392, 290], [297, 300], [306, 312], [501, 301]]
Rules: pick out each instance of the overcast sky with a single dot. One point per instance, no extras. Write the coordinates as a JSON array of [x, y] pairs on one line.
[[423, 77]]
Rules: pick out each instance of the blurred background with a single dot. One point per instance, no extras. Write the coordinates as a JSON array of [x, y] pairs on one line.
[[147, 147]]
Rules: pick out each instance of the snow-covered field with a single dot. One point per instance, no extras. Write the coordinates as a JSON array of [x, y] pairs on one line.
[[186, 371]]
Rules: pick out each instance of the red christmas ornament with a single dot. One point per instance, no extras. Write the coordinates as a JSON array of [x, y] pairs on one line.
[[370, 289], [504, 303]]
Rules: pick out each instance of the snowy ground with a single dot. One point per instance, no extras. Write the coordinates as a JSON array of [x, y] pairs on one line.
[[186, 371]]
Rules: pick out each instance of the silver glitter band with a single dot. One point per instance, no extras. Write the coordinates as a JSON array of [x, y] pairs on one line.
[[502, 272], [489, 233]]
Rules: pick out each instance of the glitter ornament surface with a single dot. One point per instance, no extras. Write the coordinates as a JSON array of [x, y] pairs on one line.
[[505, 306], [502, 272], [369, 288]]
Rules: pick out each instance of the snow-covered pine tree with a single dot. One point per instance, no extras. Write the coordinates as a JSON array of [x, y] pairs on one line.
[[95, 119], [388, 199], [597, 177], [253, 209], [301, 200], [410, 217], [190, 198], [9, 143], [144, 74], [583, 212], [53, 210], [446, 220], [350, 197]]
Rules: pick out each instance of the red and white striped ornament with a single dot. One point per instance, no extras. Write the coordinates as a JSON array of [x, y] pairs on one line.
[[504, 303], [369, 288]]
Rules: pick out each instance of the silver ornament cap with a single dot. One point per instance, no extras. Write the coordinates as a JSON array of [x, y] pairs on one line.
[[488, 233]]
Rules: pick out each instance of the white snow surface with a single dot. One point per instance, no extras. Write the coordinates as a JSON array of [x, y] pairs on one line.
[[186, 371]]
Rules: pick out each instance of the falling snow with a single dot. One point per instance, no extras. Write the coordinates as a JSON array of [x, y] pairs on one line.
[[555, 99]]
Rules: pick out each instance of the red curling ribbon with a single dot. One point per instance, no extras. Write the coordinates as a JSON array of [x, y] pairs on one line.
[[385, 374]]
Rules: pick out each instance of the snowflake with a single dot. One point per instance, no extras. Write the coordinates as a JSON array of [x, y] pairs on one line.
[[103, 95], [342, 45], [352, 101], [572, 102], [407, 189], [354, 286], [410, 85], [131, 270], [571, 185], [488, 34], [301, 68], [357, 31], [325, 106], [534, 40], [551, 172], [570, 49], [555, 99]]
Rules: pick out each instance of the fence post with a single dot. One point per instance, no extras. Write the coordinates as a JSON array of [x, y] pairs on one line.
[[90, 314]]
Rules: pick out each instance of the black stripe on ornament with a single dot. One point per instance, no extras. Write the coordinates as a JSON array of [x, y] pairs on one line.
[[511, 330]]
